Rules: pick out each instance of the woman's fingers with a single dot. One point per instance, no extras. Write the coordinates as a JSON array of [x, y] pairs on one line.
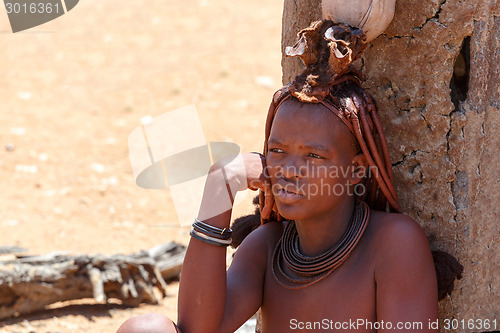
[[258, 179], [252, 170], [268, 191], [268, 200]]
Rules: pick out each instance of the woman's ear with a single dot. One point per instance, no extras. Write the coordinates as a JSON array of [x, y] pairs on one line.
[[360, 168]]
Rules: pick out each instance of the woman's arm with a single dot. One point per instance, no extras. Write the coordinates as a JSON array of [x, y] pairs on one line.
[[405, 277], [204, 292]]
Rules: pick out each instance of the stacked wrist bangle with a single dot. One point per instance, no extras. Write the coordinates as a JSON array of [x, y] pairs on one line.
[[211, 235]]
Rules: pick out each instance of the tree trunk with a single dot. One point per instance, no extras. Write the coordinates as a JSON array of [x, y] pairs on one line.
[[435, 75], [297, 15]]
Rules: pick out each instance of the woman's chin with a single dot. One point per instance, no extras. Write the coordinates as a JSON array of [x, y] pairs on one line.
[[292, 212]]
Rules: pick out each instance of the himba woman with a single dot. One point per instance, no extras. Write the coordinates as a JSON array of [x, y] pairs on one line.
[[333, 252]]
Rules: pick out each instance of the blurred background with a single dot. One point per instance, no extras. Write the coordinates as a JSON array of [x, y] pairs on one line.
[[74, 88]]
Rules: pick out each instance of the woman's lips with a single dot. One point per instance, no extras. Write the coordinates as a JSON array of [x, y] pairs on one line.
[[287, 196]]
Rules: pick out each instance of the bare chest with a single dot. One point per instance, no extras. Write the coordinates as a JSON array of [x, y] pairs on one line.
[[347, 294]]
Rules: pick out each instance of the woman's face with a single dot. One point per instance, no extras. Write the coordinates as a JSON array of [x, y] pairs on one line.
[[309, 159]]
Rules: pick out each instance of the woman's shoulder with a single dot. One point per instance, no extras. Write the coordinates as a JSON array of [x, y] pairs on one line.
[[264, 237], [257, 248], [394, 226], [397, 238], [267, 233]]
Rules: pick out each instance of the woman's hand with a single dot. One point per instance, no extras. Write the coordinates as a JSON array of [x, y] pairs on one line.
[[258, 179], [247, 171]]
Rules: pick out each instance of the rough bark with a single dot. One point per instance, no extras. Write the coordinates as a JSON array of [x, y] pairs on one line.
[[29, 283], [445, 155]]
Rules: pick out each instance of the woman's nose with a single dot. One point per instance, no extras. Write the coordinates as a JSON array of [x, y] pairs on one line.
[[293, 168]]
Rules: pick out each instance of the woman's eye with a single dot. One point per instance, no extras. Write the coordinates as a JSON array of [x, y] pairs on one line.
[[315, 156], [275, 150]]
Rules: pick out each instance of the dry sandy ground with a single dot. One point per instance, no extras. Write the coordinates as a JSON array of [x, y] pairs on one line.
[[71, 92]]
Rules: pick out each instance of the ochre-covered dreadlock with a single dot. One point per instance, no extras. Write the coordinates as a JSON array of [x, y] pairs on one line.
[[328, 50]]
